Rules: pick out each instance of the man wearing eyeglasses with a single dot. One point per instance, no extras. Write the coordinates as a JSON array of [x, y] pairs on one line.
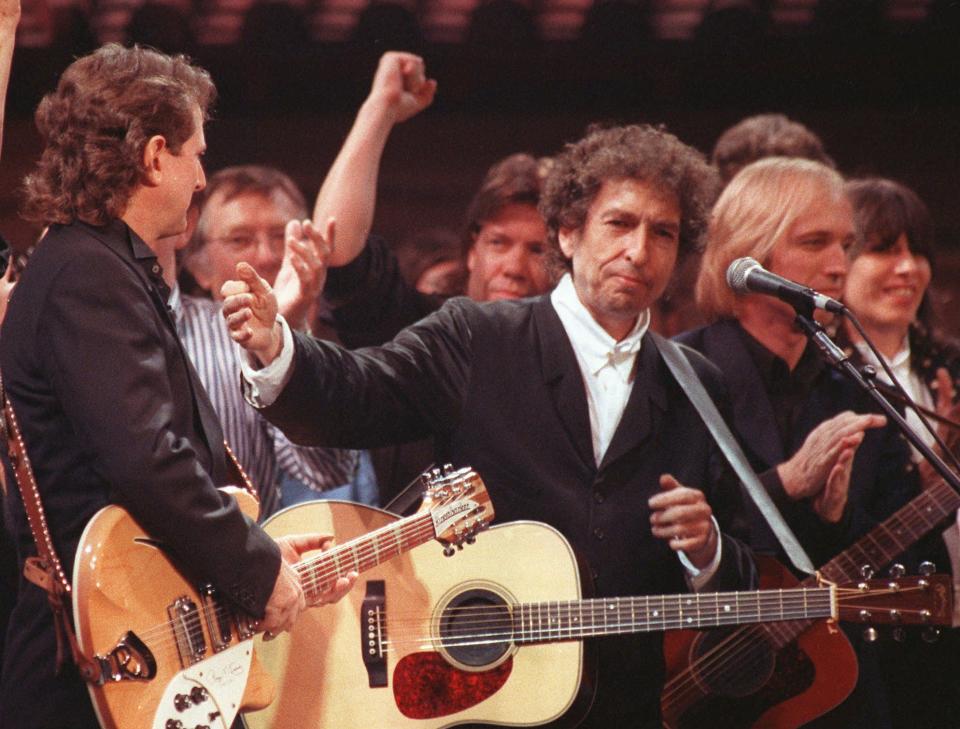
[[242, 217]]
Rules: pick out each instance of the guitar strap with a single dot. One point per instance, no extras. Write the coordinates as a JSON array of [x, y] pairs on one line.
[[687, 378], [45, 570], [235, 472]]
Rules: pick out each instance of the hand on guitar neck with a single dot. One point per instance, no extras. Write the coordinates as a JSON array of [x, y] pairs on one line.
[[288, 598]]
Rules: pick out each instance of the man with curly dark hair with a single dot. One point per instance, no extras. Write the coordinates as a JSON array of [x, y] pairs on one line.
[[110, 409], [561, 401]]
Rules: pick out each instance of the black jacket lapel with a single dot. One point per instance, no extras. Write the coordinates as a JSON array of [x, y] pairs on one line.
[[561, 374], [648, 398], [753, 417]]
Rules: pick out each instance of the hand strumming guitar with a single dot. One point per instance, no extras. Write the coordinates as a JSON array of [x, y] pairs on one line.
[[288, 598]]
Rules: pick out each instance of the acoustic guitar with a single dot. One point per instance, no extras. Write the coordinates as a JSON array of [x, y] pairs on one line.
[[496, 636], [785, 675], [176, 655]]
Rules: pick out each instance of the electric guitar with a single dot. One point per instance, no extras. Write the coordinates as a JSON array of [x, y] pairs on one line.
[[497, 635], [175, 655], [785, 675]]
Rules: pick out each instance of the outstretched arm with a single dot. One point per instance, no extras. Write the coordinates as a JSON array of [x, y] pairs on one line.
[[400, 90]]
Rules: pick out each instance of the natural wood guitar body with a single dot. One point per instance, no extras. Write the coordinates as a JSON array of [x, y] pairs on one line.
[[324, 683], [124, 583]]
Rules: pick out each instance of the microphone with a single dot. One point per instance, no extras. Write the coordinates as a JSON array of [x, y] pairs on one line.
[[747, 276]]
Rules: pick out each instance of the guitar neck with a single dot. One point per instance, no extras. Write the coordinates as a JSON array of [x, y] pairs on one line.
[[880, 546], [899, 532], [578, 619], [363, 553]]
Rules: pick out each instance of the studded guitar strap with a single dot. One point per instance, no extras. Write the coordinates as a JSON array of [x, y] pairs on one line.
[[45, 570]]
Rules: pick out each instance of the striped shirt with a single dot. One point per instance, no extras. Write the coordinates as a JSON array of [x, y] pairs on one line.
[[264, 452]]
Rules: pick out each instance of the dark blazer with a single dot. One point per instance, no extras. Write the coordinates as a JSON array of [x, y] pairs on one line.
[[499, 388], [111, 412], [881, 480]]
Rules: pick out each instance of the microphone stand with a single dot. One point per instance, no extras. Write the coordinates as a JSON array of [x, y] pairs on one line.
[[866, 379]]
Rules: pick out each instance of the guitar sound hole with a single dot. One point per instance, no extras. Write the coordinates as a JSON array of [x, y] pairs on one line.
[[738, 672], [476, 628]]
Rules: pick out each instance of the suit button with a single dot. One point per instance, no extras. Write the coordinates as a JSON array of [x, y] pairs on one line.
[[598, 533], [598, 496]]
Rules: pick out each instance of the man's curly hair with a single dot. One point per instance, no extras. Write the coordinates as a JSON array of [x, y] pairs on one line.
[[96, 124], [639, 152]]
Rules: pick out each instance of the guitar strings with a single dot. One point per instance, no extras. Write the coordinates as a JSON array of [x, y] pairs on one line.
[[911, 517], [800, 604], [719, 659], [416, 529]]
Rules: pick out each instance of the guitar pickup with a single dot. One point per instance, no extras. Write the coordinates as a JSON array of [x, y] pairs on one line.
[[187, 630], [373, 633], [217, 619]]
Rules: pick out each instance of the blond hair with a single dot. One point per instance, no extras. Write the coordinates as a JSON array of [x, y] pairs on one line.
[[753, 214]]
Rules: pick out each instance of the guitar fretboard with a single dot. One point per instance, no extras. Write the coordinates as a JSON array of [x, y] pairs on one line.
[[578, 619], [363, 553], [880, 546]]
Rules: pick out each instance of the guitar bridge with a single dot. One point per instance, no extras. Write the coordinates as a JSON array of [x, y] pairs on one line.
[[373, 633], [130, 660]]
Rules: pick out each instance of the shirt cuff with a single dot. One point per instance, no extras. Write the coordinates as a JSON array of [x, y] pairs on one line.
[[697, 578], [262, 385]]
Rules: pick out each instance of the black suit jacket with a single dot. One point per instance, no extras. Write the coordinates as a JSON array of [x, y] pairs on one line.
[[881, 479], [499, 388], [111, 412]]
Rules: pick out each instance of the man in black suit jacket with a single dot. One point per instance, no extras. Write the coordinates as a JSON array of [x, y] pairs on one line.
[[110, 409], [793, 217], [561, 402]]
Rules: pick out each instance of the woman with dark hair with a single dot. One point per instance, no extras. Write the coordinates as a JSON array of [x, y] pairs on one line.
[[888, 289]]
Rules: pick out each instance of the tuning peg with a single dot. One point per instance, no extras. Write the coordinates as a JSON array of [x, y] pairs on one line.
[[447, 469], [870, 635], [927, 568], [899, 635], [866, 571], [897, 570], [930, 634], [449, 551]]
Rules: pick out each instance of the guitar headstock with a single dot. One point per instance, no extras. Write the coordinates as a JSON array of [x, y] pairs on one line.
[[458, 504], [926, 600]]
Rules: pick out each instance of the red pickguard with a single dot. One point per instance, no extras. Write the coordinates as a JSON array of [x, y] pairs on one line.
[[425, 686]]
